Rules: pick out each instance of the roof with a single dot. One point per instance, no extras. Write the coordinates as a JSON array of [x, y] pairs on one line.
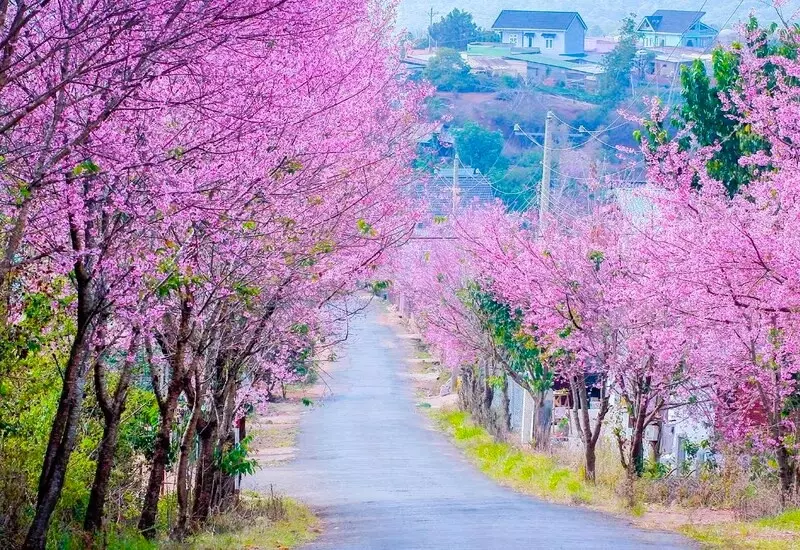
[[672, 21], [547, 20], [496, 49], [437, 189], [559, 62]]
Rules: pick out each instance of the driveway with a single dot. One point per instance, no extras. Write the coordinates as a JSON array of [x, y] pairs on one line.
[[380, 478]]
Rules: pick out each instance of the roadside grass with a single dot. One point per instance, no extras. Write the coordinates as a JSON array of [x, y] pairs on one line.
[[543, 476], [535, 474], [263, 522], [268, 522], [781, 532]]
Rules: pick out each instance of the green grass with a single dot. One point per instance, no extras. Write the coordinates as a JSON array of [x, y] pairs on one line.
[[298, 526], [789, 521], [737, 536], [540, 475], [246, 527], [531, 473], [774, 533]]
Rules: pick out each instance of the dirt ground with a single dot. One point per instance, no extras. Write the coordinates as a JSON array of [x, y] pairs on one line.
[[275, 434]]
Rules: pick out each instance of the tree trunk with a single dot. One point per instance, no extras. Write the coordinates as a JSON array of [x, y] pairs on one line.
[[786, 471], [187, 442], [590, 460], [112, 416], [64, 429], [204, 478], [542, 422], [147, 520], [102, 475], [589, 433]]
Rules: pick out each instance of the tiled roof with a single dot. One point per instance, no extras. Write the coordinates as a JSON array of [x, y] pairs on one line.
[[548, 20], [437, 190], [672, 21]]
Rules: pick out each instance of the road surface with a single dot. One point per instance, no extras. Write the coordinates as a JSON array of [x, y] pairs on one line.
[[380, 478]]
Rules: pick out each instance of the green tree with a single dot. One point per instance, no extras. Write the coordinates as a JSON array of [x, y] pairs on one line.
[[713, 123], [708, 121], [457, 29], [479, 147], [618, 64], [448, 71], [520, 354], [518, 184]]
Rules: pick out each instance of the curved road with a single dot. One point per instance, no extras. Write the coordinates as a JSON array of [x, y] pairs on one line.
[[379, 479]]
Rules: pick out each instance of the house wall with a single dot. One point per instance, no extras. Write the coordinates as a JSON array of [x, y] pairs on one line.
[[575, 38], [655, 40], [520, 40], [555, 76], [690, 40]]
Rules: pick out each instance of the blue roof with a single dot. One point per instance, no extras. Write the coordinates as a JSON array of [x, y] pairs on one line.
[[546, 20], [672, 21]]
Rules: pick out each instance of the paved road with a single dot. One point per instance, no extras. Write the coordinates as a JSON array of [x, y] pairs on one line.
[[380, 479]]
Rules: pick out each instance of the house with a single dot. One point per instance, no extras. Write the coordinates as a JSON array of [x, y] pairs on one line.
[[493, 59], [674, 28], [553, 32], [538, 68], [663, 65], [448, 189], [560, 72]]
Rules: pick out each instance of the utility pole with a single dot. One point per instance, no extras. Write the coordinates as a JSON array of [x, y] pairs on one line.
[[544, 190], [431, 13], [455, 184]]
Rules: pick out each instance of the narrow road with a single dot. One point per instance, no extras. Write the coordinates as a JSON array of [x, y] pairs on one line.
[[380, 479]]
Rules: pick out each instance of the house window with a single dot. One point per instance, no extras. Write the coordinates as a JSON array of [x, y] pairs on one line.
[[548, 43], [512, 39]]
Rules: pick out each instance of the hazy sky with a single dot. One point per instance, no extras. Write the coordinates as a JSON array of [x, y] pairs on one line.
[[414, 14]]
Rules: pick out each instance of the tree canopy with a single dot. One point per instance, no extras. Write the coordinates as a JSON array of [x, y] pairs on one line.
[[448, 71], [457, 29], [478, 147], [618, 64]]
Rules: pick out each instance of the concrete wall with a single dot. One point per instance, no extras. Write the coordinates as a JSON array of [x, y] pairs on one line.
[[575, 38], [520, 40]]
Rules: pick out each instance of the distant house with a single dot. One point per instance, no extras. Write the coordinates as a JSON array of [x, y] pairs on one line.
[[673, 28], [665, 63], [446, 190], [536, 68], [553, 32]]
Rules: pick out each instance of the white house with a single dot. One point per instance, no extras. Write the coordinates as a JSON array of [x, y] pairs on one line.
[[553, 32], [673, 28]]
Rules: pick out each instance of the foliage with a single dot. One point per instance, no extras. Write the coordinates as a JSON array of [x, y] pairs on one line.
[[478, 147], [713, 120], [457, 29], [532, 473], [520, 351], [618, 64], [234, 460], [448, 71], [517, 185]]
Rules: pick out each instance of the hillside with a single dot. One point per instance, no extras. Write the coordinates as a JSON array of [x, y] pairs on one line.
[[414, 14]]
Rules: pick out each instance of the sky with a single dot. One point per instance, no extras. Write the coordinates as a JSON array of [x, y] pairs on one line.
[[414, 15]]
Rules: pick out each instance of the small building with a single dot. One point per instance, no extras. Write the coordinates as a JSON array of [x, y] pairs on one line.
[[676, 28], [561, 72], [493, 59], [664, 64], [448, 189], [553, 32]]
